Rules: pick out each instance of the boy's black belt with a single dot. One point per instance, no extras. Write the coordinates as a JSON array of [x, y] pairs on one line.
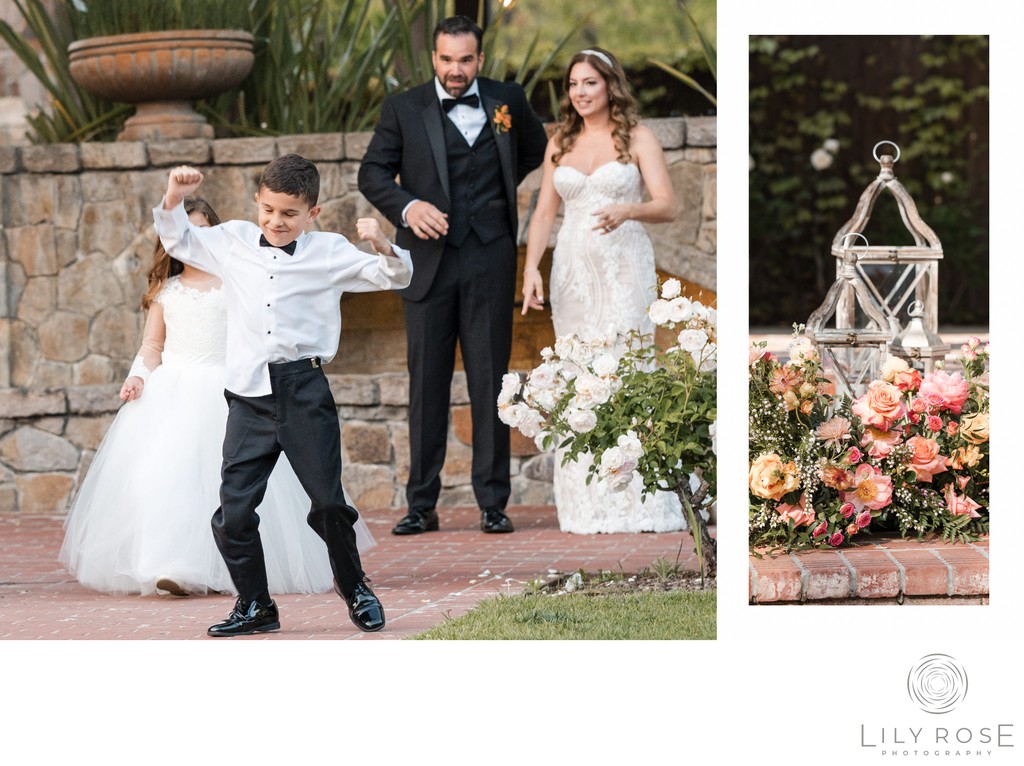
[[300, 365]]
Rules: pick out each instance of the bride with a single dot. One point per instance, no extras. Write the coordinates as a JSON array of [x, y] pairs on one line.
[[602, 276]]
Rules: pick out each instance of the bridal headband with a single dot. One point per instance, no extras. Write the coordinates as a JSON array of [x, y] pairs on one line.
[[600, 55]]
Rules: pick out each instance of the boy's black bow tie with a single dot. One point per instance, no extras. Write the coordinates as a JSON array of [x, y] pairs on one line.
[[472, 100], [289, 248]]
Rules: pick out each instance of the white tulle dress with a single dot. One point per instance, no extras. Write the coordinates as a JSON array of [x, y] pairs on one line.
[[601, 284], [143, 511]]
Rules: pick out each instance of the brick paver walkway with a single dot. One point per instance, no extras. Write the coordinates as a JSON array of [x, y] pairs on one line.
[[421, 580]]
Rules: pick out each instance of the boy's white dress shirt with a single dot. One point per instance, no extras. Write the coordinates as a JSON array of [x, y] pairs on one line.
[[280, 307]]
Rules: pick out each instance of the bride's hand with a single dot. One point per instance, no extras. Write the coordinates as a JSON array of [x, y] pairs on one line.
[[533, 290], [132, 389], [610, 218]]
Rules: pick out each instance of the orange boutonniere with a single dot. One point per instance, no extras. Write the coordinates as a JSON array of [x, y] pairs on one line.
[[502, 119]]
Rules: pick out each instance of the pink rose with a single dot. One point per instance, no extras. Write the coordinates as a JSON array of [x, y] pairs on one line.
[[934, 423], [853, 456], [908, 380], [917, 404], [959, 505], [819, 530], [798, 514], [944, 390], [846, 510], [871, 489], [836, 540], [863, 519], [880, 406], [951, 427], [925, 460]]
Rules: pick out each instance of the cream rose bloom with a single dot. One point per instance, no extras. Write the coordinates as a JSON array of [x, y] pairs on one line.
[[671, 289], [891, 366]]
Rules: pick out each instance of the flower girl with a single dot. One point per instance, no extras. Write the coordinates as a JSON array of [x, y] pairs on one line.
[[141, 520]]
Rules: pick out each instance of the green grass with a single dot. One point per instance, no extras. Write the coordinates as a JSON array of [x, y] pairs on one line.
[[634, 616]]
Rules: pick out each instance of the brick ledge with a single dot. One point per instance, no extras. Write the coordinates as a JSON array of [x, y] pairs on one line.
[[888, 569]]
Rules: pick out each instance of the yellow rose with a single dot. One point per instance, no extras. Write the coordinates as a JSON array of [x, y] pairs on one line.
[[770, 478], [974, 428]]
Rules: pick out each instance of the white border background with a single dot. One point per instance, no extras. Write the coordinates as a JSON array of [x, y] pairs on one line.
[[781, 684]]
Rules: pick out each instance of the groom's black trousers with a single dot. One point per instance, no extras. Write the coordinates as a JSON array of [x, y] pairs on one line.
[[298, 418]]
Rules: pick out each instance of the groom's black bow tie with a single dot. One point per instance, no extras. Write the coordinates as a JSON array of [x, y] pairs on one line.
[[472, 100], [289, 248]]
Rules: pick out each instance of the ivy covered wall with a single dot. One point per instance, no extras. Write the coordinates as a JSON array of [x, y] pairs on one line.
[[818, 105]]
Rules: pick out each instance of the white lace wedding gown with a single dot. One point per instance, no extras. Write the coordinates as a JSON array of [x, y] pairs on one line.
[[143, 511], [603, 283]]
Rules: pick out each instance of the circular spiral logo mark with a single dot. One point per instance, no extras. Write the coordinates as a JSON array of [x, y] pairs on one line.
[[937, 683]]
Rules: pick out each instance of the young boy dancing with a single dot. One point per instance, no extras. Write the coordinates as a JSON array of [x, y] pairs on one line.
[[282, 289]]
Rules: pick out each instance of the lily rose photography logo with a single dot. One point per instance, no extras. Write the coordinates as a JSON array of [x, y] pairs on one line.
[[937, 685]]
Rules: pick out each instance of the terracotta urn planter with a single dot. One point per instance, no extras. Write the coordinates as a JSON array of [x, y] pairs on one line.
[[162, 72]]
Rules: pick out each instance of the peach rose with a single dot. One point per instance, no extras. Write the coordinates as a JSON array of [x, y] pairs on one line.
[[925, 461], [770, 478], [907, 381], [880, 443], [960, 505], [851, 530], [881, 406], [871, 489], [944, 390], [798, 514], [974, 428]]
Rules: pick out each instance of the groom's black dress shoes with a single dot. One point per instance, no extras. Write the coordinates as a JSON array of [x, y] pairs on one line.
[[494, 520], [417, 520], [246, 619], [364, 609]]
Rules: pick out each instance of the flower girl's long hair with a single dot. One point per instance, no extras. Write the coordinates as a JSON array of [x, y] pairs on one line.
[[622, 107], [164, 266]]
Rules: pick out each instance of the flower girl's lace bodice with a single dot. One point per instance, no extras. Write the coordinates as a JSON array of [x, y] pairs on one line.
[[600, 281], [196, 324]]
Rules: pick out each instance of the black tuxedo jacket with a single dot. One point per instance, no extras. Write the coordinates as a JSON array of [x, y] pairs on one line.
[[409, 143]]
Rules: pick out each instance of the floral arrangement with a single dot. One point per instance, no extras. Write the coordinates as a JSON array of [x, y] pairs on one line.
[[911, 454], [642, 413]]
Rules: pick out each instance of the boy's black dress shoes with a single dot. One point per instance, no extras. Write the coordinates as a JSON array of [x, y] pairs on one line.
[[494, 520], [246, 619], [364, 609], [417, 520]]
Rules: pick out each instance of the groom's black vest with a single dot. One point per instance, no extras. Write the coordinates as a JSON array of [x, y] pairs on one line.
[[478, 192]]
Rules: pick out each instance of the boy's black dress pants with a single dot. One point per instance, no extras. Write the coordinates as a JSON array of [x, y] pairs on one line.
[[298, 418]]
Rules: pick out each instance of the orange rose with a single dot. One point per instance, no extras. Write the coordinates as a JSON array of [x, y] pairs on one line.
[[770, 478], [925, 461], [880, 406]]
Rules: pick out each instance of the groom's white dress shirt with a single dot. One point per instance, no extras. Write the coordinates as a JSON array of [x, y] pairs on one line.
[[280, 307]]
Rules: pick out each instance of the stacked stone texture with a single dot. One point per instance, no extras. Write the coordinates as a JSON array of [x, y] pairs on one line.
[[76, 237]]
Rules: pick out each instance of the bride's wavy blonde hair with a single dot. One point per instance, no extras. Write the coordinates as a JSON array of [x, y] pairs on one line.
[[622, 108], [164, 266]]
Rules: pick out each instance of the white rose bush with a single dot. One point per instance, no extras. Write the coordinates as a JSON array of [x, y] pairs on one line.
[[638, 410]]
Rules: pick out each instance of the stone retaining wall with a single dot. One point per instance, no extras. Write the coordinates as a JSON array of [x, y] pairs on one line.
[[76, 237]]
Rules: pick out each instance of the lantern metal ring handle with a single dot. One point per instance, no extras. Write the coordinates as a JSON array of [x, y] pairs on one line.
[[842, 242], [874, 151]]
